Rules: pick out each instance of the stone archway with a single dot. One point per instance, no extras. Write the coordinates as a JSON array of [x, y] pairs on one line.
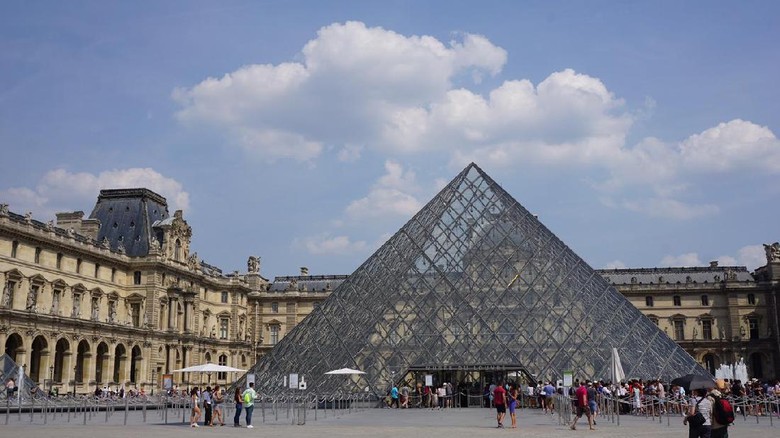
[[82, 361], [13, 346], [38, 356], [135, 363], [101, 369], [120, 359], [61, 350]]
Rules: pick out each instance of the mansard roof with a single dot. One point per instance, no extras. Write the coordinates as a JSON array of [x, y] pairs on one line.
[[126, 217], [697, 275]]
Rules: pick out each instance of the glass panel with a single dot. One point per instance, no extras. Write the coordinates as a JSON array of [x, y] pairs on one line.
[[472, 280]]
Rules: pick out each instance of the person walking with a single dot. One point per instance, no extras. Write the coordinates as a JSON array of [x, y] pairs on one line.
[[499, 401], [207, 406], [699, 427], [248, 398], [582, 406], [238, 400], [218, 400], [195, 414]]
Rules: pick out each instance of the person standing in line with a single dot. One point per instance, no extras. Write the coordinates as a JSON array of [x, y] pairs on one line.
[[582, 406], [514, 395], [394, 397], [499, 401], [549, 402], [249, 397], [239, 403], [218, 399], [703, 404], [592, 405], [195, 415], [442, 394]]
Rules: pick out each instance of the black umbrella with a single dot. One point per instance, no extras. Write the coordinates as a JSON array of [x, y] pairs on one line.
[[694, 381]]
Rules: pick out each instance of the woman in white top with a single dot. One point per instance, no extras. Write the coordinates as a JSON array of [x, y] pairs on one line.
[[195, 416], [699, 403]]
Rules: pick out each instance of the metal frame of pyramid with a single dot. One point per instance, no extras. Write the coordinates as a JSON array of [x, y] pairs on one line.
[[472, 278]]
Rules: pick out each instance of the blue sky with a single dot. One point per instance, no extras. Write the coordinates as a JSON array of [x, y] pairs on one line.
[[642, 133]]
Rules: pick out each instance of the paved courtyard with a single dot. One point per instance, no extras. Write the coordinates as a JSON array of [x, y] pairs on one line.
[[449, 423]]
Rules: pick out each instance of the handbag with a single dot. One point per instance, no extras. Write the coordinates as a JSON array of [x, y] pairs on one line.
[[697, 419]]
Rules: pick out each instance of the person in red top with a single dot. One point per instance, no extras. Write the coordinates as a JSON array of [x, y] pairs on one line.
[[499, 400], [582, 406]]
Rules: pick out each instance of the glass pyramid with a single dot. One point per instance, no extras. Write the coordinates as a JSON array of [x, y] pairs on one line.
[[473, 279]]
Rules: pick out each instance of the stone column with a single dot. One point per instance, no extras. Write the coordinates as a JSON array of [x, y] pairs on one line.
[[68, 373], [171, 313]]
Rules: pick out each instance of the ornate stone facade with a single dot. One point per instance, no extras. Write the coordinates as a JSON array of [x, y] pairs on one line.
[[118, 298]]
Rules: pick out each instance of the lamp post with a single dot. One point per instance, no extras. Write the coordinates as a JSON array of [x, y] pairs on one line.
[[75, 367], [51, 378], [154, 382]]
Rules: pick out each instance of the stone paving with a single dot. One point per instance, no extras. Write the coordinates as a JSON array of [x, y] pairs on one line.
[[375, 423]]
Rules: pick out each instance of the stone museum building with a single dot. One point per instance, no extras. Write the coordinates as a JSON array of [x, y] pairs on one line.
[[120, 298]]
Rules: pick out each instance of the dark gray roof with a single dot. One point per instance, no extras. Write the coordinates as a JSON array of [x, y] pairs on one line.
[[307, 283], [127, 215], [697, 275]]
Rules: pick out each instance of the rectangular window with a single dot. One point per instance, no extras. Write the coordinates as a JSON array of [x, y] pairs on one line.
[[223, 328], [677, 301], [224, 298], [37, 255], [78, 266], [753, 325], [751, 299], [679, 330], [649, 301], [706, 329], [97, 269], [137, 277], [113, 275], [275, 307], [14, 248], [705, 300], [274, 334], [59, 260]]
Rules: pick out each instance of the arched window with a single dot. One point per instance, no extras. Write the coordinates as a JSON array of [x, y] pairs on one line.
[[177, 250]]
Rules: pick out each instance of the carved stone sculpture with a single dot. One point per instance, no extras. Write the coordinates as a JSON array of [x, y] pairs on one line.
[[253, 265], [772, 252], [3, 209], [193, 262], [6, 296], [31, 298]]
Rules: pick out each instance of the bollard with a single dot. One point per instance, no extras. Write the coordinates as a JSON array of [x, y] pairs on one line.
[[7, 409], [127, 401], [85, 411], [143, 409], [46, 410], [165, 410], [32, 408], [68, 406]]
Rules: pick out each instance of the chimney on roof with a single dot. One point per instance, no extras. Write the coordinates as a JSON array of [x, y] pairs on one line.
[[304, 271], [714, 264]]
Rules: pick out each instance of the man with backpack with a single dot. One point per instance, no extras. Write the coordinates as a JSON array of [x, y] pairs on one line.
[[722, 415]]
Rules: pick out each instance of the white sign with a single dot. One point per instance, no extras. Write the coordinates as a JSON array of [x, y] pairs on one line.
[[568, 378], [429, 380], [293, 381], [250, 378]]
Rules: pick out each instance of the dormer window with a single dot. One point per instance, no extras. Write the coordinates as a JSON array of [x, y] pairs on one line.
[[177, 250]]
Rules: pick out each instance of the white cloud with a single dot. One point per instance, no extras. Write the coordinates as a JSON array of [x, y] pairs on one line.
[[393, 94], [390, 196], [690, 259], [751, 256], [60, 190], [351, 78], [670, 208], [615, 264], [325, 244]]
